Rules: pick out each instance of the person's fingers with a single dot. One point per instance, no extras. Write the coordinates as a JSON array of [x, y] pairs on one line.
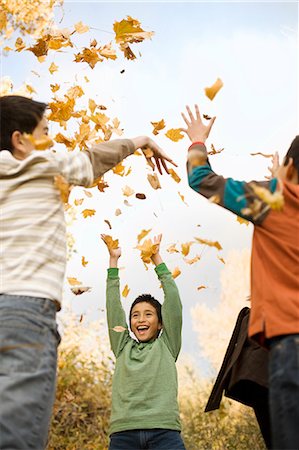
[[185, 119], [184, 130], [158, 165], [165, 166], [197, 112], [150, 163], [190, 113]]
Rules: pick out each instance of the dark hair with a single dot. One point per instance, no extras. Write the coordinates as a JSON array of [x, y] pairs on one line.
[[148, 299], [18, 113], [293, 152]]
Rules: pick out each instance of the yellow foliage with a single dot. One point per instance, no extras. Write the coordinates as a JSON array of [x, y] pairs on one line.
[[212, 91], [174, 134]]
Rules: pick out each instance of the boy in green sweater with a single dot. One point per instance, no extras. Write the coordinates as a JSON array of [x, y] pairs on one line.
[[145, 412]]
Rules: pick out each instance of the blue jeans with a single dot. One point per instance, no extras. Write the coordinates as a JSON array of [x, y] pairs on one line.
[[28, 360], [284, 391], [154, 439]]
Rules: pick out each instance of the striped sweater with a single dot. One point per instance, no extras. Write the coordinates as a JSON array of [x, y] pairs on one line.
[[32, 226]]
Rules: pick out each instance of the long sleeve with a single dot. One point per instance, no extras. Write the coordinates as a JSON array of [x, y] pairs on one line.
[[171, 311], [106, 155], [115, 314], [238, 197]]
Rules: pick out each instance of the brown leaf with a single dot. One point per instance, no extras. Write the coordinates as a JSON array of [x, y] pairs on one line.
[[140, 196], [78, 290], [108, 223], [214, 151], [201, 287]]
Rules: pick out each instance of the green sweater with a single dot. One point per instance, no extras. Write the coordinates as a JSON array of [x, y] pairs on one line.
[[144, 387]]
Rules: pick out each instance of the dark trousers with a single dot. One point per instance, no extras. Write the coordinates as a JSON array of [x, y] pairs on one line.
[[284, 391], [154, 439]]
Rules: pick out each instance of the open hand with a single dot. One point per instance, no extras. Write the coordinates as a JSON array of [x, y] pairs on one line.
[[151, 151], [196, 130], [114, 253]]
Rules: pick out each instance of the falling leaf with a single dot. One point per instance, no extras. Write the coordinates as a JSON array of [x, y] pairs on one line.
[[183, 198], [54, 87], [158, 126], [127, 203], [111, 244], [74, 92], [125, 291], [90, 56], [142, 234], [78, 290], [81, 28], [102, 185], [88, 213], [30, 89], [214, 199], [147, 249], [119, 169], [154, 181], [140, 196], [242, 221], [42, 143], [201, 287], [262, 154], [87, 193], [53, 68], [174, 175], [83, 261], [214, 151], [63, 186], [73, 281], [117, 212], [209, 243], [174, 134], [212, 91], [107, 51], [108, 223], [128, 31], [221, 259], [176, 272], [172, 249], [186, 247], [193, 260], [122, 71], [275, 200], [127, 191], [207, 117], [119, 329]]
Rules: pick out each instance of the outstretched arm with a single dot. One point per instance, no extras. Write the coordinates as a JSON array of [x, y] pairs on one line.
[[172, 307], [116, 318]]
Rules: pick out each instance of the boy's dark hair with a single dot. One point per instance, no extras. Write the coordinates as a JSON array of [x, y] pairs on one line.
[[148, 299], [293, 152], [18, 113]]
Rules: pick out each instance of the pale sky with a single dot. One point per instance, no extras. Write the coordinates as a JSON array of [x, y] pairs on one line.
[[253, 48]]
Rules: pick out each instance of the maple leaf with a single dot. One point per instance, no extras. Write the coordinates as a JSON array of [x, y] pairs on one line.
[[154, 181], [174, 134], [74, 92], [119, 329], [147, 249], [174, 175], [54, 87], [158, 126], [129, 31], [115, 128], [53, 68], [73, 281], [176, 272], [242, 221], [63, 186], [61, 111], [212, 91], [81, 28], [127, 191], [117, 212], [40, 48], [262, 154], [209, 243], [102, 185], [172, 249], [142, 234], [84, 262], [214, 151], [88, 55], [111, 244], [193, 260], [43, 143], [88, 213], [186, 247], [78, 290], [275, 200], [125, 291]]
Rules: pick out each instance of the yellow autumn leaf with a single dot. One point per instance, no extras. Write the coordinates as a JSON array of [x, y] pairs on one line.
[[111, 244], [119, 329], [68, 142], [74, 92], [90, 56], [81, 28], [125, 291], [127, 191], [53, 68], [119, 169], [147, 249], [154, 181], [212, 90], [43, 143], [129, 31], [63, 186], [83, 261], [88, 213], [214, 199], [176, 272], [172, 249], [92, 105], [275, 200], [73, 281], [186, 247], [54, 87], [192, 260], [174, 134], [158, 126], [209, 243], [242, 221], [107, 51], [174, 175], [142, 234]]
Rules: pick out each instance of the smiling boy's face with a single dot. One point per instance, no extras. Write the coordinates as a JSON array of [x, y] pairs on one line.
[[144, 322]]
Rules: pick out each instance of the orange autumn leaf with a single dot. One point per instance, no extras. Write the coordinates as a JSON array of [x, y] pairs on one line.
[[142, 234], [119, 329], [242, 221], [174, 134], [172, 249], [42, 143], [88, 213], [63, 186], [212, 90], [68, 142], [102, 185], [176, 272], [214, 199], [90, 56], [61, 111], [54, 87], [92, 105], [158, 126], [73, 281], [147, 249], [209, 243], [127, 191], [186, 247], [53, 68], [125, 291], [119, 169], [183, 198], [154, 181], [174, 175], [83, 261], [111, 244], [107, 51], [128, 31], [192, 260]]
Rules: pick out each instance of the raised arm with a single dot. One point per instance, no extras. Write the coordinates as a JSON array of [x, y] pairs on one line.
[[172, 307], [239, 197], [116, 318]]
